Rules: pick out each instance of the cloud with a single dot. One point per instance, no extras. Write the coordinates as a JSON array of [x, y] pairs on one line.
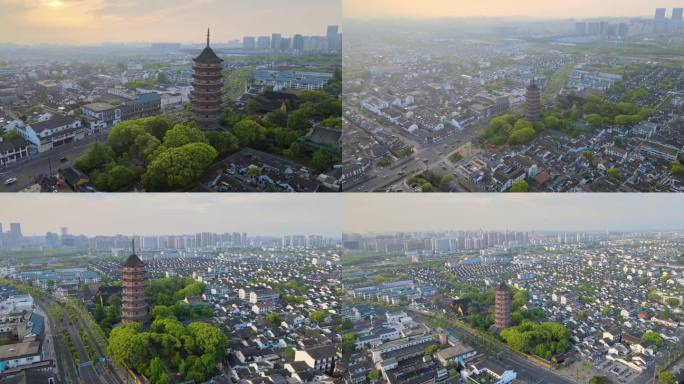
[[96, 21]]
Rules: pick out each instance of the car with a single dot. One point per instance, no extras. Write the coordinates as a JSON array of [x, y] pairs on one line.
[[63, 159], [11, 181]]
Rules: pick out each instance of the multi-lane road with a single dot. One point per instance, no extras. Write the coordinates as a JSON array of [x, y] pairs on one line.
[[527, 371], [425, 157], [86, 372], [45, 163]]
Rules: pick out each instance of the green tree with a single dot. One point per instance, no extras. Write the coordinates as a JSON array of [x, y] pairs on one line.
[[677, 168], [209, 339], [273, 318], [144, 147], [288, 354], [520, 185], [157, 125], [122, 136], [98, 313], [224, 142], [118, 346], [120, 176], [161, 312], [182, 134], [293, 152], [322, 160], [252, 107], [552, 122], [276, 118], [318, 316], [248, 132], [298, 120], [374, 375], [595, 120], [157, 373], [521, 136], [97, 157], [613, 173], [349, 342], [178, 167], [429, 351], [162, 78], [653, 337], [665, 377]]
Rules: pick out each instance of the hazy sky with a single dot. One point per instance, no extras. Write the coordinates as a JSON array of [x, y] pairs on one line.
[[371, 9], [143, 214], [96, 21], [414, 212]]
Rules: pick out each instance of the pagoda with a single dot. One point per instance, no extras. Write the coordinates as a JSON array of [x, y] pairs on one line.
[[206, 89], [533, 102], [133, 304], [502, 307]]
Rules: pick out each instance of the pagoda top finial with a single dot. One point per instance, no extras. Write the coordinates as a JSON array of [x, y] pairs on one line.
[[207, 37], [133, 245]]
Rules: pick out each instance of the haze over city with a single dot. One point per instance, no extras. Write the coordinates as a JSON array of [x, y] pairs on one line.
[[100, 21], [426, 9], [397, 212], [168, 214]]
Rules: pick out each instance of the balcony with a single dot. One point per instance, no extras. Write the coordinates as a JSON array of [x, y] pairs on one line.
[[207, 76], [205, 111], [208, 92]]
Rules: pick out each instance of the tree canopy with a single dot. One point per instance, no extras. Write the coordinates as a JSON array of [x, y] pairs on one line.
[[542, 339]]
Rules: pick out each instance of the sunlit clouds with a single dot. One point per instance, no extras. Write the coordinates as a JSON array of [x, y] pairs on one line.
[[98, 21]]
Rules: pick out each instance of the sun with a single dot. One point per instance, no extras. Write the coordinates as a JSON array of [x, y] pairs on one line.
[[55, 3]]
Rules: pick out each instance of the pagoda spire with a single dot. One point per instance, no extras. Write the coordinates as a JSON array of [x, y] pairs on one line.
[[207, 37]]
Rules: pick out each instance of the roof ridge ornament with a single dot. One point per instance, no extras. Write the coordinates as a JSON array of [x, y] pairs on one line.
[[207, 37]]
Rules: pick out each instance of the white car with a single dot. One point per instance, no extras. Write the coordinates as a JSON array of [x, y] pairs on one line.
[[11, 180]]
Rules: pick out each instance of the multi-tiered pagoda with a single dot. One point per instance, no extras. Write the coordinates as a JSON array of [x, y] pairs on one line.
[[133, 304], [502, 307], [206, 89], [533, 102]]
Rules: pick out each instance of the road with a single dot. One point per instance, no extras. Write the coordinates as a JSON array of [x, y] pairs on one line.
[[527, 371], [49, 352], [60, 350], [40, 164], [109, 372], [433, 157], [88, 372]]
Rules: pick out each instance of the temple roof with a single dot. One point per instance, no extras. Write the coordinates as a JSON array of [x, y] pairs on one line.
[[208, 55], [133, 261]]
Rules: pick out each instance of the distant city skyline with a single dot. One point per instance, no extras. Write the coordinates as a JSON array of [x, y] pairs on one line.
[[431, 9], [178, 21], [383, 213], [164, 214]]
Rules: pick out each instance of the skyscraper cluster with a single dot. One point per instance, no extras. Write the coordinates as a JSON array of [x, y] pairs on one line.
[[276, 42], [11, 238], [662, 24]]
